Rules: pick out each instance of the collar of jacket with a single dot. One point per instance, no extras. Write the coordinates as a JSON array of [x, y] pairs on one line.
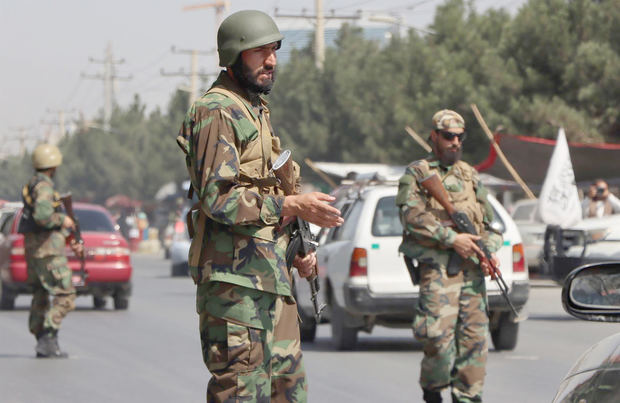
[[42, 177], [434, 162], [226, 82]]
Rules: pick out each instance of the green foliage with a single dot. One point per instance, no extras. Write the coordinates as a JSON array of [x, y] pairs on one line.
[[555, 63]]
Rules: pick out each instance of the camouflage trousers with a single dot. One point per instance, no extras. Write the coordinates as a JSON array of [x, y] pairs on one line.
[[50, 275], [452, 322], [259, 361]]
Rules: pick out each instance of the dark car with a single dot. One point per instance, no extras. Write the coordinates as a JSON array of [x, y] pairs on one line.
[[108, 265], [592, 292]]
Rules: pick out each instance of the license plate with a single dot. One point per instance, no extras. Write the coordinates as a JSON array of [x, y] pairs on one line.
[[77, 280]]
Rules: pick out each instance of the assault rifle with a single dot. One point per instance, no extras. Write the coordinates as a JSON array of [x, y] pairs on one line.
[[302, 240], [67, 202], [435, 188]]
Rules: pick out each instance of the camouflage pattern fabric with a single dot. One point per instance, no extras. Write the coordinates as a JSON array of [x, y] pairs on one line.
[[247, 316], [240, 243], [51, 239], [49, 276], [257, 361], [451, 317], [48, 271], [452, 323]]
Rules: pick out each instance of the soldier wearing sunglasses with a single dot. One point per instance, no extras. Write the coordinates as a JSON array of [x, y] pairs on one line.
[[451, 317]]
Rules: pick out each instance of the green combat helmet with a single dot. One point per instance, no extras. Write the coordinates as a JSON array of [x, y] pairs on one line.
[[245, 30], [46, 156]]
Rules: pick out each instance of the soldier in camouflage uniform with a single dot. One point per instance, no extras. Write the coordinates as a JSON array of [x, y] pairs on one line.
[[451, 318], [46, 231], [248, 322]]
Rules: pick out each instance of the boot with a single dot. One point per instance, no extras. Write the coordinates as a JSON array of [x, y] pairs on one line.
[[47, 345], [432, 396]]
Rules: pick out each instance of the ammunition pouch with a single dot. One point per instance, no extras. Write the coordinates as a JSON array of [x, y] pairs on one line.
[[413, 268], [455, 264]]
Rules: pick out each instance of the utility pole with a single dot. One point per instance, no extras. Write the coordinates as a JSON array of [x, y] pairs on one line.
[[109, 78], [319, 33], [62, 131], [221, 7], [193, 74], [22, 136]]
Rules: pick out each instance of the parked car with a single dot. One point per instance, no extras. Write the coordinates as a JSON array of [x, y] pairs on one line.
[[592, 292], [365, 282], [108, 263], [532, 229], [592, 240]]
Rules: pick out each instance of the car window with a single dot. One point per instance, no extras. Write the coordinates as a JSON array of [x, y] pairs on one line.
[[497, 223], [94, 221], [333, 233], [386, 221], [347, 230], [524, 212]]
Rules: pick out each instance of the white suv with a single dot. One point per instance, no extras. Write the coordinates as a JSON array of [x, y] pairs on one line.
[[364, 280]]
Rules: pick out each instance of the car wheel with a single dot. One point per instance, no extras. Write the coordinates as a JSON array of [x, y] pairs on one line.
[[7, 299], [180, 269], [121, 302], [343, 337], [99, 302], [504, 335]]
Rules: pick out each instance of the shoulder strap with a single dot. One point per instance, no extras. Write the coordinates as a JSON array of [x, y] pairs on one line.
[[245, 108]]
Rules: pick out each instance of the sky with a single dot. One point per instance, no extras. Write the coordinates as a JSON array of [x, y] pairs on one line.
[[46, 49]]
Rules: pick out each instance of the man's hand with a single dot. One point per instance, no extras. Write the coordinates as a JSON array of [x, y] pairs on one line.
[[465, 245], [312, 207], [305, 265], [68, 223], [77, 248]]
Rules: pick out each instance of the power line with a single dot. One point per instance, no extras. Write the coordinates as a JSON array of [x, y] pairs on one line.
[[109, 78]]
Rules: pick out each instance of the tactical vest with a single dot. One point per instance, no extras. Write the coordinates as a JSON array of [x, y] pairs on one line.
[[27, 223], [255, 163], [462, 191]]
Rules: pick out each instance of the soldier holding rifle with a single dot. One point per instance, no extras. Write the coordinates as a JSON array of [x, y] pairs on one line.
[[451, 318], [247, 315], [46, 230]]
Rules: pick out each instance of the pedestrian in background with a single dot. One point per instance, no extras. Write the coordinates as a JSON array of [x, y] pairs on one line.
[[46, 231], [600, 202], [248, 322], [451, 317]]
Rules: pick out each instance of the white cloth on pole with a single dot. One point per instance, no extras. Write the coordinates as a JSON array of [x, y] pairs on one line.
[[559, 199]]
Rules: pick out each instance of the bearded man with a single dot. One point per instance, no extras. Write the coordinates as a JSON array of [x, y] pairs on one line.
[[451, 316], [247, 314]]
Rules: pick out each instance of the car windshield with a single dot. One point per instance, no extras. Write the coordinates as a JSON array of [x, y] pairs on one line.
[[94, 221]]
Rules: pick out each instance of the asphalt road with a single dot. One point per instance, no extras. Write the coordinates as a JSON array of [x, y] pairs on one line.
[[151, 353]]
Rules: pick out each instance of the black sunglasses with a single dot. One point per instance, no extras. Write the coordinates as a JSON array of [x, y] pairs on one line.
[[450, 136]]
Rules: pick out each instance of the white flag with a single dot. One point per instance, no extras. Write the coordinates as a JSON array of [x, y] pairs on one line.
[[559, 200]]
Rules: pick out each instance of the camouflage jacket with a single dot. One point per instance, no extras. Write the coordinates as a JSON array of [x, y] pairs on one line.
[[46, 213], [239, 242], [428, 232]]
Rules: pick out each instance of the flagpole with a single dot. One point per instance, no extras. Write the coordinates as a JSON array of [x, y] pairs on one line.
[[500, 153], [418, 139]]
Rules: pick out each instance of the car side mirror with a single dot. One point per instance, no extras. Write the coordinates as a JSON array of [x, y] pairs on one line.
[[592, 292]]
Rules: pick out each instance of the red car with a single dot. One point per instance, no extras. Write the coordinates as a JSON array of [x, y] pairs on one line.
[[108, 266]]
